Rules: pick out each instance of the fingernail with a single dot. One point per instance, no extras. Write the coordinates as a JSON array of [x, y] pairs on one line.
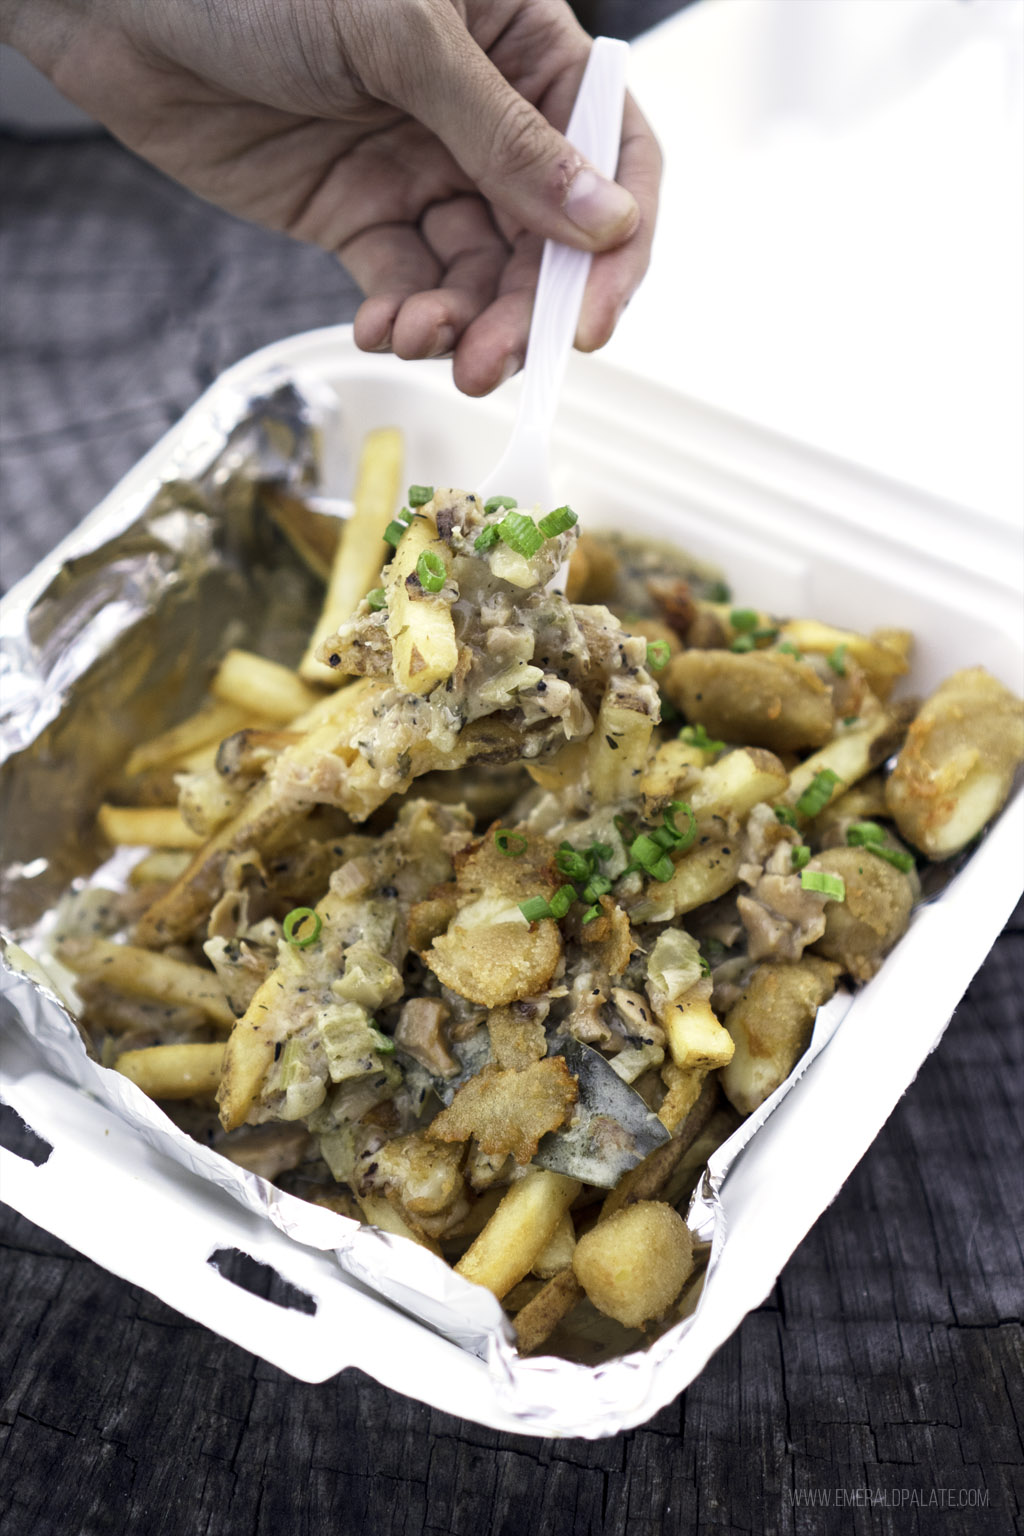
[[510, 368], [600, 208]]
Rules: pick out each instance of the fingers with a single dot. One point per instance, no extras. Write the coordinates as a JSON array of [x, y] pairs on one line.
[[494, 346], [615, 275], [473, 254], [504, 144], [389, 262]]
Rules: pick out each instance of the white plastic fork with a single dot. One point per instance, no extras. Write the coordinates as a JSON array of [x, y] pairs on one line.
[[595, 129]]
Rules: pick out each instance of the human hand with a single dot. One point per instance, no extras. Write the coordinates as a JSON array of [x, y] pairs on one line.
[[416, 139]]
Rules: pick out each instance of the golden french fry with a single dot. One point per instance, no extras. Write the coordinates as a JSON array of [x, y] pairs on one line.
[[158, 826], [215, 720], [423, 646], [361, 548], [849, 756], [261, 688], [174, 1071], [707, 871], [143, 973], [617, 749], [519, 1230], [379, 1212], [737, 782], [160, 867]]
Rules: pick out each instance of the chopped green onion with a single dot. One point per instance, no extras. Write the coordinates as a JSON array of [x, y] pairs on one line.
[[431, 570], [743, 619], [800, 856], [592, 912], [705, 968], [786, 815], [895, 856], [837, 660], [576, 865], [716, 949], [562, 900], [377, 599], [718, 592], [295, 919], [668, 710], [821, 880], [393, 532], [487, 539], [743, 643], [818, 792], [383, 1042], [682, 840], [505, 503], [597, 885], [512, 844], [658, 653], [558, 521], [601, 850], [786, 648], [535, 908], [419, 495], [698, 737], [651, 858], [850, 719], [767, 632], [520, 533], [861, 834]]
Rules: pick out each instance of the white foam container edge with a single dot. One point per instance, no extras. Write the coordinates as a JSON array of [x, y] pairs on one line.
[[793, 530]]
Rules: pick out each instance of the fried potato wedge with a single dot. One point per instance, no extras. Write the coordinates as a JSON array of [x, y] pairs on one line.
[[771, 1026]]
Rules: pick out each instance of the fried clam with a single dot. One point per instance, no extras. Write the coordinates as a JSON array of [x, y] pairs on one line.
[[488, 951], [955, 771], [762, 698], [861, 930]]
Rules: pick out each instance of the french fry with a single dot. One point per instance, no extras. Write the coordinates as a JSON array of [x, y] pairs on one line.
[[850, 756], [361, 548], [423, 645], [312, 534], [158, 826], [143, 973], [161, 867], [380, 1213], [737, 782], [883, 657], [519, 1230], [707, 871], [261, 688], [215, 720], [173, 1071], [617, 748]]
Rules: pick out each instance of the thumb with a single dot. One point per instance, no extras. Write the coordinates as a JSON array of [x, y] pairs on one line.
[[520, 163]]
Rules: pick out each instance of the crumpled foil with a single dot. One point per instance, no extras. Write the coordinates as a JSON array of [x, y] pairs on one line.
[[101, 647]]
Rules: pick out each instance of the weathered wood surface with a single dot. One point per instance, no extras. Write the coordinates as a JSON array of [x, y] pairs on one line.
[[886, 1365]]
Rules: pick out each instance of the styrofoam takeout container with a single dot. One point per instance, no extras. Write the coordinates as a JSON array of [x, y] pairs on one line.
[[794, 532]]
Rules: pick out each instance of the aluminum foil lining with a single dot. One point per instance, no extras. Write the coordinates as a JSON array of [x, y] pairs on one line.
[[103, 645]]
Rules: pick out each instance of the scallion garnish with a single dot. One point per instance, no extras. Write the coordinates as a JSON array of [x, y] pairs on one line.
[[818, 792], [601, 850], [743, 643], [419, 495], [383, 1042], [534, 908], [592, 912], [786, 815], [520, 533], [393, 532], [698, 737], [597, 885], [743, 619], [766, 632], [431, 570], [651, 857], [681, 840], [837, 660], [658, 653], [800, 856], [861, 834], [786, 648], [576, 865], [823, 881], [562, 900], [504, 503], [294, 921], [487, 539], [512, 844], [558, 521], [377, 599], [895, 856], [718, 592]]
